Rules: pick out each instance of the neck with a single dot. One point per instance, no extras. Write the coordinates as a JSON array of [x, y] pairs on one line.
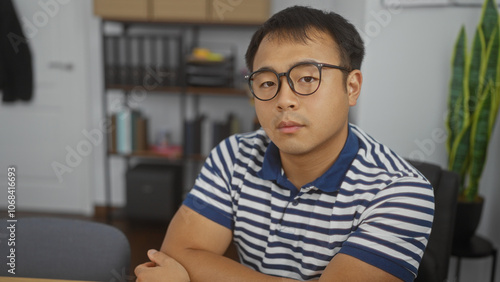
[[305, 168]]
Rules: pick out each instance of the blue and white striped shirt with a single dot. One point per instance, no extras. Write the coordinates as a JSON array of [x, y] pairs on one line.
[[371, 204]]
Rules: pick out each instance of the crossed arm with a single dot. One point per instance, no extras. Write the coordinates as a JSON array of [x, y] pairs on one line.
[[193, 250]]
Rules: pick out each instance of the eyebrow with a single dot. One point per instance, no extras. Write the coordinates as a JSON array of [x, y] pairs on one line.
[[289, 66]]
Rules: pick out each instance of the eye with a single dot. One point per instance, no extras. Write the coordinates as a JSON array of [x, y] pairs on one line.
[[267, 84], [307, 79]]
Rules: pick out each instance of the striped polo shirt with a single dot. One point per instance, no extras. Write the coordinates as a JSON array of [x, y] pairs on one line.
[[371, 204]]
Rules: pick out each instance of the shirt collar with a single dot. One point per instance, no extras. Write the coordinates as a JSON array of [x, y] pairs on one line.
[[328, 182]]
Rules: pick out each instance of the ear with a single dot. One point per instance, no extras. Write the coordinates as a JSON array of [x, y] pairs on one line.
[[353, 84]]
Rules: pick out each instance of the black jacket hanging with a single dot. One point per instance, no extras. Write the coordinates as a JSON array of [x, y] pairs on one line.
[[16, 71]]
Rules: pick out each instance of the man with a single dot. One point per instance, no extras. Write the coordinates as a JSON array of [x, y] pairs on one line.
[[308, 196]]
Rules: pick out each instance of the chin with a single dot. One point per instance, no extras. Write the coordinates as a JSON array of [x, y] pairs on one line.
[[291, 148]]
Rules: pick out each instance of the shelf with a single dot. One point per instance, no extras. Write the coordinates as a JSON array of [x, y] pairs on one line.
[[157, 155], [182, 23], [190, 90], [177, 89], [148, 154], [216, 91], [131, 46]]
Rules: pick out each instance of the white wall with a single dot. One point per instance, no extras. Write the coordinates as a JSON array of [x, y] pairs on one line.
[[407, 70], [45, 137]]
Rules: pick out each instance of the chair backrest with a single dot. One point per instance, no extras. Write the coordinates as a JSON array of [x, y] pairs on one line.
[[57, 248], [435, 262]]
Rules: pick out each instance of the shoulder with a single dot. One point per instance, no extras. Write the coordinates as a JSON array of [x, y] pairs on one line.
[[251, 140], [255, 142], [378, 163], [386, 191], [241, 148]]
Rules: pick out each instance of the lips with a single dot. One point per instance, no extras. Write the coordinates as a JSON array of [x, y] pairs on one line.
[[289, 127]]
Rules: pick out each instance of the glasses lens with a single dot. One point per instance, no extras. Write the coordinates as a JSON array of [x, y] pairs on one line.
[[264, 84], [305, 78]]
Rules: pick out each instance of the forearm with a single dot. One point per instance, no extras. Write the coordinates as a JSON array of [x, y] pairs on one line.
[[198, 244], [206, 266]]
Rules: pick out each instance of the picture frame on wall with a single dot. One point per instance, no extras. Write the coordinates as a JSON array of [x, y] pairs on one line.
[[416, 3], [432, 3]]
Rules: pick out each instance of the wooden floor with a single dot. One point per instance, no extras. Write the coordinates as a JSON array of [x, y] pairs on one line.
[[142, 235]]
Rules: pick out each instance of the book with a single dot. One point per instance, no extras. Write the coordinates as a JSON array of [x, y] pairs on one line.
[[192, 136], [123, 131], [112, 134], [134, 116], [233, 124], [129, 126], [222, 130], [141, 134]]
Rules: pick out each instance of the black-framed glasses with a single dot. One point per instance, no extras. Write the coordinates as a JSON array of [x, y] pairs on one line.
[[303, 78]]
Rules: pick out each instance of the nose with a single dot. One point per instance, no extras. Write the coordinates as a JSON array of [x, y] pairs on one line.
[[286, 98]]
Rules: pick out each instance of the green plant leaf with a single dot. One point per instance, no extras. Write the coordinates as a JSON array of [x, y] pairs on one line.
[[489, 19], [475, 79], [495, 95], [495, 105], [456, 95], [480, 136], [461, 110], [459, 161], [495, 101], [481, 119], [490, 63]]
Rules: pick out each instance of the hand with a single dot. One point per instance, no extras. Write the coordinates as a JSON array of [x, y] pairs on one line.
[[161, 268]]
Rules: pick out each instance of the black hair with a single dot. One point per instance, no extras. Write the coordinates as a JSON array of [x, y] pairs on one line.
[[297, 23]]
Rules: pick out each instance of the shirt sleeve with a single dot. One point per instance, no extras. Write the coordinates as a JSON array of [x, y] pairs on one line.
[[211, 195], [394, 229]]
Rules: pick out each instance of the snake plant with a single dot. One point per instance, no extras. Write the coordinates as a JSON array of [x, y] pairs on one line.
[[474, 100]]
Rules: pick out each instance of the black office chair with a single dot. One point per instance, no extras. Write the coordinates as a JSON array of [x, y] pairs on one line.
[[57, 248], [436, 259]]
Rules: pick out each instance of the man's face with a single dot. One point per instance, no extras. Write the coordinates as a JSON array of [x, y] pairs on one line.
[[304, 124]]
